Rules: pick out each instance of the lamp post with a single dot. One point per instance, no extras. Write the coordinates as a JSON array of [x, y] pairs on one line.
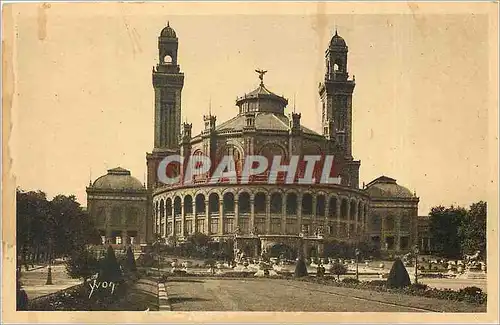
[[158, 240], [49, 270], [416, 251], [357, 262]]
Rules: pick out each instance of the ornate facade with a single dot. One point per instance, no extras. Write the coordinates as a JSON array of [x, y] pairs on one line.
[[259, 215]]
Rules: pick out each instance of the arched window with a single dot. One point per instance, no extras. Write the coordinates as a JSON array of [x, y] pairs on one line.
[[244, 203], [177, 207], [213, 203], [276, 203], [200, 204], [332, 209], [168, 208], [336, 67], [260, 203], [228, 202], [167, 59], [320, 205], [188, 204], [343, 209], [291, 204], [353, 211], [307, 204]]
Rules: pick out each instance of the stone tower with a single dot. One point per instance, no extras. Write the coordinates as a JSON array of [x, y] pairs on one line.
[[168, 81], [336, 96]]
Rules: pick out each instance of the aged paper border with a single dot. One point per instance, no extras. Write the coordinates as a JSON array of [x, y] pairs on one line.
[[9, 314]]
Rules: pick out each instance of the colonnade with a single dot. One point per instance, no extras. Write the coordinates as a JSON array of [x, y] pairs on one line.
[[257, 211]]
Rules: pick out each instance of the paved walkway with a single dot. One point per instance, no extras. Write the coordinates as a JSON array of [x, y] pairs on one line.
[[34, 280], [204, 294]]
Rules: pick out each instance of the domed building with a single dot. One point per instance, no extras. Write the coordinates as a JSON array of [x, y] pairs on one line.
[[117, 203], [257, 214], [393, 223]]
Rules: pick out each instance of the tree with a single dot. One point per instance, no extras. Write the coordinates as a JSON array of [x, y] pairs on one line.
[[445, 230], [130, 264], [82, 263], [300, 268], [338, 269], [398, 276], [110, 270], [473, 229], [199, 239]]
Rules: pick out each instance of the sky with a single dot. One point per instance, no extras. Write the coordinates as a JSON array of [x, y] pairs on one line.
[[84, 99]]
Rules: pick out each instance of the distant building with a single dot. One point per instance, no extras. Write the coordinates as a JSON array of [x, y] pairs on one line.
[[117, 204], [392, 225]]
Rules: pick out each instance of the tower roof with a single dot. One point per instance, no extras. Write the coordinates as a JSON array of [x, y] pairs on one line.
[[117, 179], [168, 32], [337, 40], [262, 99]]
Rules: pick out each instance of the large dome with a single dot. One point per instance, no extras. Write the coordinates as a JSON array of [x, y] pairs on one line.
[[118, 179], [386, 187]]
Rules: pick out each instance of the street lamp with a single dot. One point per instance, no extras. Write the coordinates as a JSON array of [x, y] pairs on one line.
[[49, 270], [357, 261], [158, 239], [416, 251]]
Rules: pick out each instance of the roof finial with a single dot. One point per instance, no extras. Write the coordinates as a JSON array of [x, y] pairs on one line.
[[261, 75], [168, 23], [90, 176], [210, 106], [336, 34], [294, 102]]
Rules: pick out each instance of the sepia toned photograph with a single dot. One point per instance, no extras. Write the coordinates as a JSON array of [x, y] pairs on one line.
[[240, 157]]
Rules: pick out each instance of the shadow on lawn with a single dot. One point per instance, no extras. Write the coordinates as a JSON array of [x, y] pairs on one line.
[[175, 300], [185, 280]]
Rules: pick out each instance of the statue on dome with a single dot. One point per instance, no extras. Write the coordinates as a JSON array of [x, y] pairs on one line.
[[261, 75]]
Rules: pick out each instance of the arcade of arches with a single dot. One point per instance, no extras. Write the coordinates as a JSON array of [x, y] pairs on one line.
[[262, 217]]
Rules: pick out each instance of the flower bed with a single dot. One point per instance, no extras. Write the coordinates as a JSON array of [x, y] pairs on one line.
[[468, 294], [79, 297]]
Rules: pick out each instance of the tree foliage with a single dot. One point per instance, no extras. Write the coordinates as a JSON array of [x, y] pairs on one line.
[[82, 263], [473, 229], [338, 269], [130, 264], [398, 276], [300, 268], [60, 221], [444, 228], [457, 231], [110, 270]]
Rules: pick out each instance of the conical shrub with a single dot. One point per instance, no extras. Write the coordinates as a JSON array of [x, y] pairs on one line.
[[398, 276], [130, 264], [300, 268], [110, 270]]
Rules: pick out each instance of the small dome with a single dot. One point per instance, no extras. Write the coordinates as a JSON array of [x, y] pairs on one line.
[[337, 40], [386, 187], [168, 32], [118, 179]]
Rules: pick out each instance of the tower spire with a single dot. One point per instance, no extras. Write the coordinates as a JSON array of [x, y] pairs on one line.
[[210, 106], [294, 102]]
